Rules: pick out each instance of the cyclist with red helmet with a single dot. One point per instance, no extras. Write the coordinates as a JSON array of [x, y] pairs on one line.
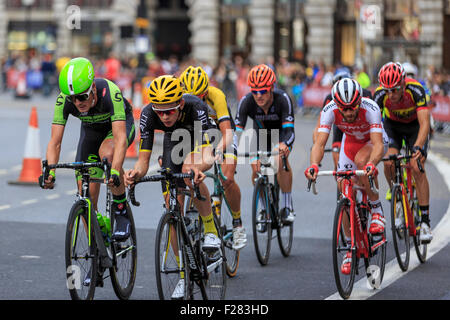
[[337, 133], [271, 109], [407, 117], [364, 143]]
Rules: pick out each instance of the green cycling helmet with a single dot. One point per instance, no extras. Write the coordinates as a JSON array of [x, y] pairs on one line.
[[76, 76]]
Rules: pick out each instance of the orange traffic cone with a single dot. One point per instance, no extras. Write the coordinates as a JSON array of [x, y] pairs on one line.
[[31, 164], [132, 149]]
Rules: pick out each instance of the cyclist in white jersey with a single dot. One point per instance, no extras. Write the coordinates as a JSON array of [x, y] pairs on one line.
[[364, 142]]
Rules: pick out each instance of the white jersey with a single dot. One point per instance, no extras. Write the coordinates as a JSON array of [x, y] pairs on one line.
[[367, 121]]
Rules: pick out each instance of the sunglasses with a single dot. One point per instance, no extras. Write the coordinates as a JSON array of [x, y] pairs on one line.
[[396, 89], [167, 112], [348, 108], [82, 96], [263, 91]]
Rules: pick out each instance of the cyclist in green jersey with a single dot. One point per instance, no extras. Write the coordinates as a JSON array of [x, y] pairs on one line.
[[107, 129]]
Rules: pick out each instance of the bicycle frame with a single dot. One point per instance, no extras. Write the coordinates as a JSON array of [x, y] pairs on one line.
[[84, 196], [358, 231], [175, 212], [406, 190]]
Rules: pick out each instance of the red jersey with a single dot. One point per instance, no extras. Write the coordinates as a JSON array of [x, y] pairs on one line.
[[414, 98]]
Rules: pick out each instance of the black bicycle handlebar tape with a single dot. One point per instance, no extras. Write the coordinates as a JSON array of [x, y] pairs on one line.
[[132, 196], [419, 165], [285, 163], [310, 181], [371, 183], [45, 174]]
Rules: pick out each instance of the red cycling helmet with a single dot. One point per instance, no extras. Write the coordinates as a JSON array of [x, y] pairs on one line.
[[391, 75], [347, 93], [261, 77]]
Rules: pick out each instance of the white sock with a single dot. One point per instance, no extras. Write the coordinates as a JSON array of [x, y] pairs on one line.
[[288, 200], [375, 207]]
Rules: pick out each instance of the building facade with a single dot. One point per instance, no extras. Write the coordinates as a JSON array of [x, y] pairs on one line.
[[352, 32]]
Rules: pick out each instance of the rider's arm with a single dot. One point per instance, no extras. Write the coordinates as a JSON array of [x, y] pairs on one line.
[[146, 126], [423, 116], [120, 144], [118, 123], [327, 100], [54, 145], [227, 135], [60, 117], [318, 148], [378, 148], [241, 115], [287, 118]]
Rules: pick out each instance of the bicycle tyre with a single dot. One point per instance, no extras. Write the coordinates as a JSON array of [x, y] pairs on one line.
[[375, 264], [285, 240], [344, 283], [127, 262], [421, 248], [82, 280], [225, 221], [167, 269], [400, 234], [216, 283], [261, 227]]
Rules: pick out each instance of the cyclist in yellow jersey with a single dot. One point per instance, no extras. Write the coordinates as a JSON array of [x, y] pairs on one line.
[[196, 82]]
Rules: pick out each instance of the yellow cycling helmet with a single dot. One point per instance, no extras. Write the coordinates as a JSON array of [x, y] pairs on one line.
[[195, 80], [165, 89]]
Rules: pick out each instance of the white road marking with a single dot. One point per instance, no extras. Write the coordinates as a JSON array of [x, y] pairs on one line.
[[441, 238], [52, 196], [4, 207], [71, 192], [30, 257], [29, 201]]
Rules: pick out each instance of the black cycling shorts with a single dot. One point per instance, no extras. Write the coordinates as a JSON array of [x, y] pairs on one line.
[[398, 131], [91, 139]]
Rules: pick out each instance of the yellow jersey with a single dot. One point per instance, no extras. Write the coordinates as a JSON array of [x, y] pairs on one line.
[[217, 102]]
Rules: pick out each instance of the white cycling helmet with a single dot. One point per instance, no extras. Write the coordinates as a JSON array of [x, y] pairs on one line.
[[347, 93], [410, 69]]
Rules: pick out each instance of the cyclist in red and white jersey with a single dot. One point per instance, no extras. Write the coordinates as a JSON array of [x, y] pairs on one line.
[[407, 118], [364, 143]]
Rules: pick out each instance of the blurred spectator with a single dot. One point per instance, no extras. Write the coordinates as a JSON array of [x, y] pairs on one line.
[[48, 69], [112, 67]]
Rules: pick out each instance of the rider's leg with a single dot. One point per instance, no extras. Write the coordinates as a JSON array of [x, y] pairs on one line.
[[202, 160], [377, 222]]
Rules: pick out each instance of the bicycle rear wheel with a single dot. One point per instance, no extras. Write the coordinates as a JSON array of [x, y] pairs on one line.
[[81, 257], [285, 235], [341, 246], [400, 234], [421, 248], [261, 222], [226, 230], [123, 274], [168, 249]]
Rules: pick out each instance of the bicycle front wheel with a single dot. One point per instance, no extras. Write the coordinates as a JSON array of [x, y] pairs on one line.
[[341, 246], [226, 229], [123, 274], [421, 248], [400, 233], [261, 222], [81, 254], [167, 258]]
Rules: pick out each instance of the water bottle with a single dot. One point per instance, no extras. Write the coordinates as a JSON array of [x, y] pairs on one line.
[[216, 204], [191, 221], [105, 227]]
